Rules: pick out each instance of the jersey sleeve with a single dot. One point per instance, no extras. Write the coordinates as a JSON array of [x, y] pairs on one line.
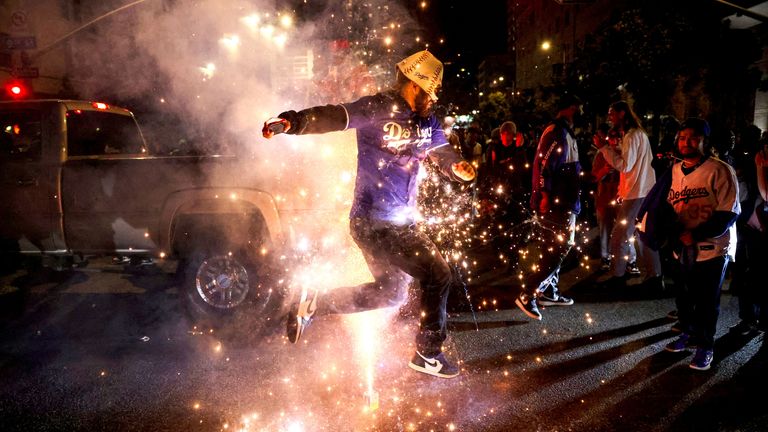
[[550, 152], [316, 120], [725, 187], [365, 110]]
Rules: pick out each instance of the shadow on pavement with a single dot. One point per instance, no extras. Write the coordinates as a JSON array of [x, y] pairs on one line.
[[561, 370], [664, 384], [731, 404]]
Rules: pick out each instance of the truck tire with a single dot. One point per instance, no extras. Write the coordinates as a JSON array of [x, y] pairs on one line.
[[228, 291]]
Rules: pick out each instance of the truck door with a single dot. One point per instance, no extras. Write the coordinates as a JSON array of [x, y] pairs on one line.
[[104, 187], [28, 202]]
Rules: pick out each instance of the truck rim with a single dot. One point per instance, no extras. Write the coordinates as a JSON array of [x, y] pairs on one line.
[[222, 282]]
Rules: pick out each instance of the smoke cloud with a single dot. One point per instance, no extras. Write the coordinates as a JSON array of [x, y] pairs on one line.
[[224, 68]]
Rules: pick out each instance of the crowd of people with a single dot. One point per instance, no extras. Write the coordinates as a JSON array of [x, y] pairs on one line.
[[688, 207], [682, 200]]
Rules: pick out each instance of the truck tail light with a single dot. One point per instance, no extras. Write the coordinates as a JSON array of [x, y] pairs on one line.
[[100, 105]]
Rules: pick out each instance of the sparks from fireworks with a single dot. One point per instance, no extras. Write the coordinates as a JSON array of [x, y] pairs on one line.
[[452, 221]]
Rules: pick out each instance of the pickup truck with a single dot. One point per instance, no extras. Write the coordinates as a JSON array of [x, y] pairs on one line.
[[77, 179]]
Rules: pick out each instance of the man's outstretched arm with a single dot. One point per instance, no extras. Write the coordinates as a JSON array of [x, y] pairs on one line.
[[320, 119]]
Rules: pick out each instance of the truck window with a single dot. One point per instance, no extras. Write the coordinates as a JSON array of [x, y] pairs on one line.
[[92, 133], [20, 135]]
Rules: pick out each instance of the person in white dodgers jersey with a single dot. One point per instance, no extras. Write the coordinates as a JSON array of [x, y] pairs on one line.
[[704, 195], [396, 130]]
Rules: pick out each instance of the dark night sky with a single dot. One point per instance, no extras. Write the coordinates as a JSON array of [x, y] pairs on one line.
[[473, 29]]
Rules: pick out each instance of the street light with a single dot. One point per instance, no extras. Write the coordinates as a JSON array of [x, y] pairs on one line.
[[546, 45]]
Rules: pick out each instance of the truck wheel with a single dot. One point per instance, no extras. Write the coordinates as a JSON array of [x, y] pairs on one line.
[[228, 291]]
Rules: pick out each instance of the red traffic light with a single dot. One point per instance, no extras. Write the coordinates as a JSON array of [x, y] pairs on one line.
[[16, 90]]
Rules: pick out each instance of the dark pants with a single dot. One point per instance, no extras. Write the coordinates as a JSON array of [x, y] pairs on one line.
[[540, 260], [753, 297], [393, 252], [698, 297]]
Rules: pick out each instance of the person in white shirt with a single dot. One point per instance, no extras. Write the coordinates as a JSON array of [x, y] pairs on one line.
[[632, 159], [704, 194]]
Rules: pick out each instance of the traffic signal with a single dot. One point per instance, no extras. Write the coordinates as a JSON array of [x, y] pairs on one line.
[[16, 90]]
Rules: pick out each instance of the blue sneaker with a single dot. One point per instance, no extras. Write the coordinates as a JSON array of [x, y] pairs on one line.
[[437, 366], [682, 343], [702, 360]]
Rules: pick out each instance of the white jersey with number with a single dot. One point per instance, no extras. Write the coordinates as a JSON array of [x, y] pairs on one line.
[[711, 187]]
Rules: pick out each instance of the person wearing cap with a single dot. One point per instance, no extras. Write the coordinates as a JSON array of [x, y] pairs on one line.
[[632, 159], [704, 195], [396, 131], [555, 197]]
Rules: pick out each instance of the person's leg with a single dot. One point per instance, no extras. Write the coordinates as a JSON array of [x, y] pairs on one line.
[[623, 230], [757, 256], [683, 301], [542, 258], [540, 261], [550, 293], [604, 233], [389, 287], [748, 262], [632, 251], [706, 280], [412, 252], [422, 260]]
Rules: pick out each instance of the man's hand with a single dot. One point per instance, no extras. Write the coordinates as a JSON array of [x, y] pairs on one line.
[[274, 126], [463, 170]]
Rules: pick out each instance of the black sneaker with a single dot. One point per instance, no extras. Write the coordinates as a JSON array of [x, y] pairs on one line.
[[744, 328], [633, 269], [672, 314], [300, 315], [527, 304], [437, 366], [557, 300]]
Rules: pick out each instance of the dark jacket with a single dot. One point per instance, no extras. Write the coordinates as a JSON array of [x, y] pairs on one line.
[[660, 218]]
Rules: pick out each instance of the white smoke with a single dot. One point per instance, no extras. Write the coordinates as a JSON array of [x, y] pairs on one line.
[[229, 67]]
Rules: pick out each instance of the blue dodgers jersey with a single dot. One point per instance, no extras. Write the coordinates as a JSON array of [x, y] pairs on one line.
[[391, 143]]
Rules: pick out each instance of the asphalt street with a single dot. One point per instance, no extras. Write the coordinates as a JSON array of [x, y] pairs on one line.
[[108, 348]]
